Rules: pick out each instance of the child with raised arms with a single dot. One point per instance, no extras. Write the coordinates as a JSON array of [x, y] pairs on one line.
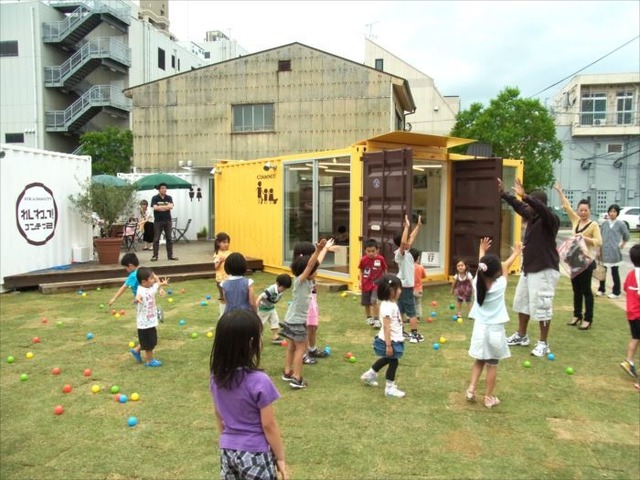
[[250, 442]]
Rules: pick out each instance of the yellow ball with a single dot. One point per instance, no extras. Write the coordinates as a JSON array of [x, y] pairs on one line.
[[443, 340], [343, 294], [95, 388], [132, 344], [209, 334], [84, 294], [29, 355], [170, 300], [135, 397], [459, 320], [117, 315]]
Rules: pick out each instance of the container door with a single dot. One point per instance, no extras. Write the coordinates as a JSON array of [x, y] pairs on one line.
[[475, 209], [388, 185]]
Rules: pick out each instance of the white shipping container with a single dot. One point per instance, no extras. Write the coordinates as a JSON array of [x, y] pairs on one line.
[[39, 228]]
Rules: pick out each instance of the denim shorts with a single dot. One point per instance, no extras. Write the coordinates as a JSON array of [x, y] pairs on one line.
[[380, 348]]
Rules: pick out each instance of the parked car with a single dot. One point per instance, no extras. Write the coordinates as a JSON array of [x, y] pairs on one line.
[[629, 215]]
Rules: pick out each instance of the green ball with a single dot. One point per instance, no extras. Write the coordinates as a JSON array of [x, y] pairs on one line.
[[569, 371], [194, 335], [352, 359], [10, 359], [23, 377], [527, 364], [115, 389]]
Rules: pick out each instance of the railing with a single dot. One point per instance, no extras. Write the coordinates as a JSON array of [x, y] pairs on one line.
[[97, 96], [625, 118], [55, 31], [93, 48]]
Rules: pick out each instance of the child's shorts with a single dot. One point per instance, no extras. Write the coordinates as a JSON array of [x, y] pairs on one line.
[[406, 302], [270, 316], [148, 338], [464, 299], [220, 292], [417, 297], [241, 464], [380, 348], [312, 316], [296, 332], [634, 326], [369, 298]]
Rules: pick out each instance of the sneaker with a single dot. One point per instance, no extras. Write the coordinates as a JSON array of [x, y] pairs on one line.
[[287, 377], [369, 379], [370, 320], [136, 355], [516, 339], [308, 360], [415, 338], [277, 341], [491, 402], [599, 293], [160, 316], [613, 295], [153, 363], [405, 334], [295, 383], [376, 324], [393, 391], [629, 368], [317, 353], [541, 349]]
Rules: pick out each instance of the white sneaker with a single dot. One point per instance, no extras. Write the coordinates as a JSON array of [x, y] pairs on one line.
[[370, 378], [516, 339], [613, 295], [376, 324], [599, 294], [541, 349], [393, 391], [370, 320]]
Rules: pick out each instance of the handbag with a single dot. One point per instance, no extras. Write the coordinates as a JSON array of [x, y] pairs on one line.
[[600, 272], [574, 253]]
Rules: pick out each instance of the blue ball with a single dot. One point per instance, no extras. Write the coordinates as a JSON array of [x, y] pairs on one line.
[[208, 297], [203, 303], [454, 318], [433, 314], [551, 356], [182, 322], [89, 336], [327, 350], [123, 399], [169, 292], [436, 346], [79, 292], [132, 421]]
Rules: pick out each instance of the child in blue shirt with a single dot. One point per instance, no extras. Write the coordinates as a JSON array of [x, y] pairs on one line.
[[238, 290]]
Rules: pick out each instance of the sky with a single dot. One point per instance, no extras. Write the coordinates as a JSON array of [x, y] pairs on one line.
[[471, 49]]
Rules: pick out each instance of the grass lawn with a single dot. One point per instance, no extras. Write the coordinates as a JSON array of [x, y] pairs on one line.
[[549, 425]]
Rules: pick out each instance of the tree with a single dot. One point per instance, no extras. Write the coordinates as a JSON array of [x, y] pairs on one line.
[[111, 150], [515, 127]]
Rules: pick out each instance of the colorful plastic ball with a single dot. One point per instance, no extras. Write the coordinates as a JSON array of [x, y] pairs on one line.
[[123, 399], [24, 377], [131, 344], [132, 421], [56, 370], [10, 359], [102, 305], [182, 322], [203, 303], [208, 297], [354, 297], [433, 314], [59, 324], [122, 312], [84, 294], [526, 364], [284, 343], [67, 388], [115, 389], [98, 289], [169, 292], [429, 320], [89, 336], [170, 300], [182, 290], [454, 318], [79, 292], [569, 371], [29, 355], [352, 359], [35, 339], [45, 320], [209, 334], [343, 294], [551, 356], [113, 312], [58, 410], [460, 320], [95, 388], [117, 315], [348, 355], [452, 306], [116, 397], [135, 396], [436, 346], [87, 372], [434, 303], [194, 334], [443, 340], [327, 350]]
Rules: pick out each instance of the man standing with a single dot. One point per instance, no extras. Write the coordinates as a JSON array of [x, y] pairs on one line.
[[540, 265], [162, 205]]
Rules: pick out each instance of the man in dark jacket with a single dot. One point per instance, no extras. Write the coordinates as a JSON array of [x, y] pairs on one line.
[[536, 288]]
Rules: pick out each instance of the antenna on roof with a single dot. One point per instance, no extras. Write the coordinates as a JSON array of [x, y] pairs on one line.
[[369, 27]]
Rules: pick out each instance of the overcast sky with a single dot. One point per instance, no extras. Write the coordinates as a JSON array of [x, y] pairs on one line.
[[471, 49]]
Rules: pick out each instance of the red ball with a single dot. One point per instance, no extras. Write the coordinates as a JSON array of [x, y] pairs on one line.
[[116, 397], [58, 410], [87, 372], [67, 389], [348, 355], [434, 304], [44, 320], [56, 370], [121, 312], [429, 320], [283, 343], [113, 312], [36, 340]]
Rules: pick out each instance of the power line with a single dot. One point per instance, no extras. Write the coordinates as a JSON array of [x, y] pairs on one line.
[[584, 68]]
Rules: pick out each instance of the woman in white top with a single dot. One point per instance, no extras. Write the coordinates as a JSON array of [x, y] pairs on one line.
[[145, 223], [615, 235], [489, 339]]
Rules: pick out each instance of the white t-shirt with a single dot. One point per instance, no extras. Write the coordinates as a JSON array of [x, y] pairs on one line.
[[391, 310], [405, 268], [493, 310], [147, 314]]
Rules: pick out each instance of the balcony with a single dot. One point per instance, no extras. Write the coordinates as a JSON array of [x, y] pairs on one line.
[[605, 123]]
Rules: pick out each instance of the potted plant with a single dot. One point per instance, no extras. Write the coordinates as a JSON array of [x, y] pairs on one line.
[[202, 234], [107, 203]]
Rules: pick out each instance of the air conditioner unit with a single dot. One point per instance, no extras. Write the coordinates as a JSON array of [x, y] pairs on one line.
[[599, 121]]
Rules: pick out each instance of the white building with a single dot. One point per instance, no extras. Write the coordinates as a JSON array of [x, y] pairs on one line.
[[597, 120], [217, 47], [435, 113], [64, 64]]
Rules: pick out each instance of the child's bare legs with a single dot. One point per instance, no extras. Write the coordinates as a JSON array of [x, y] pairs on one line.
[[375, 310], [476, 371], [312, 332], [367, 311], [148, 355], [298, 350], [413, 323], [288, 358], [492, 374], [632, 349], [274, 333]]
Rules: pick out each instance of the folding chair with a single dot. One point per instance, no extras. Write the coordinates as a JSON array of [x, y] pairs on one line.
[[129, 236], [179, 233]]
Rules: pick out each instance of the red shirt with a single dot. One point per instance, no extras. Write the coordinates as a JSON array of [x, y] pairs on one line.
[[633, 295], [372, 269]]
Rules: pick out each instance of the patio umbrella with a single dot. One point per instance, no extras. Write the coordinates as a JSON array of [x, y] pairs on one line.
[[151, 182], [109, 180]]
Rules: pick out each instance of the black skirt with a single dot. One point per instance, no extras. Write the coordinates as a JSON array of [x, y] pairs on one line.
[[147, 235]]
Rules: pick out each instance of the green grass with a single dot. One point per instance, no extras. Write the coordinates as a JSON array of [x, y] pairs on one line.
[[549, 425]]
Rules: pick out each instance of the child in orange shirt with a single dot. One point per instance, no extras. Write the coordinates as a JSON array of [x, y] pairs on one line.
[[419, 274]]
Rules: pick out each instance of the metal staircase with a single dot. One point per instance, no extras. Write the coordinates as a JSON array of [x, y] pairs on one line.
[[95, 52], [82, 17], [98, 98]]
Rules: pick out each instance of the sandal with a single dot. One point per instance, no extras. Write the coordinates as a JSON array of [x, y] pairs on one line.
[[574, 321], [585, 325], [491, 402], [470, 396]]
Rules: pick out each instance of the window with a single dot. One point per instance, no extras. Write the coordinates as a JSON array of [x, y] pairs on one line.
[[624, 108], [207, 54], [593, 109], [284, 65], [253, 118], [173, 61], [614, 148], [14, 137], [379, 64], [178, 64], [161, 59], [9, 48]]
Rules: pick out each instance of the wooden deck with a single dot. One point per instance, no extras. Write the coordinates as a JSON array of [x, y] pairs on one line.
[[195, 261]]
